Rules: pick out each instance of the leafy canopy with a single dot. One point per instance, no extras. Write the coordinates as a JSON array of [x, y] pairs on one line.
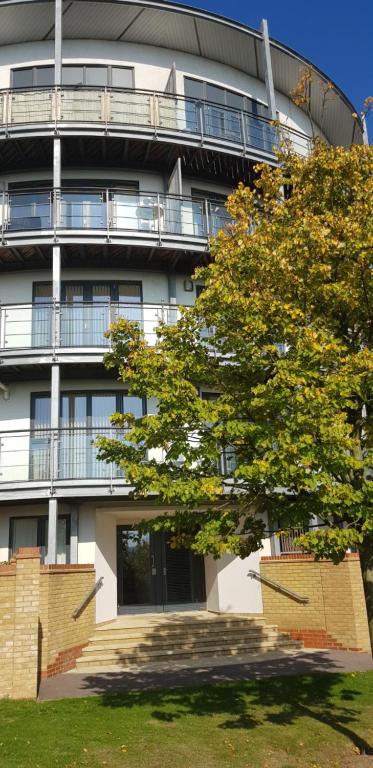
[[288, 304]]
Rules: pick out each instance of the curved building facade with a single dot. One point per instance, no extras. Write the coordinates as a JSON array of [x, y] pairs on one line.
[[123, 127]]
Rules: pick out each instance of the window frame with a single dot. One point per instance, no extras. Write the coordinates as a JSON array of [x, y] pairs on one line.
[[248, 101], [41, 521], [109, 69], [87, 288], [88, 393]]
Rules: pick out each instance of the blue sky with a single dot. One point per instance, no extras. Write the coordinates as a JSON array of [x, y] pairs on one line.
[[336, 36]]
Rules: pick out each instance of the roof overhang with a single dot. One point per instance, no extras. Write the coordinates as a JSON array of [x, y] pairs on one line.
[[182, 28]]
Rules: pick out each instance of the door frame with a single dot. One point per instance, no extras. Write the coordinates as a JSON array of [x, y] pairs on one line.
[[158, 580]]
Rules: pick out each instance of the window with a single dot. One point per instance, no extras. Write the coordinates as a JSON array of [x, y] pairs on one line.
[[74, 74], [87, 291], [87, 311], [84, 416], [200, 89], [84, 409], [33, 532]]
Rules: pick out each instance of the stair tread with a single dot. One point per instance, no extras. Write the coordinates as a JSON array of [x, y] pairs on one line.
[[158, 636], [167, 642], [141, 640], [162, 652]]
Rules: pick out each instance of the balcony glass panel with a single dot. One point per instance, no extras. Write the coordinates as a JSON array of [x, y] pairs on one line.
[[42, 317], [82, 210], [30, 210], [81, 106], [260, 134], [138, 213], [221, 123], [130, 108]]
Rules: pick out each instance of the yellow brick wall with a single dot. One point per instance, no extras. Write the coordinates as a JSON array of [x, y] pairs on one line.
[[61, 593], [38, 634], [7, 610], [336, 609]]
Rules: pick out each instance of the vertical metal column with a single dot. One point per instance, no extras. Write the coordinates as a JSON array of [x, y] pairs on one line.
[[74, 528], [56, 281], [267, 64]]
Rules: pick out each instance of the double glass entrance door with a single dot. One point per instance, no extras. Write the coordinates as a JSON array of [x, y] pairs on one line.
[[151, 574]]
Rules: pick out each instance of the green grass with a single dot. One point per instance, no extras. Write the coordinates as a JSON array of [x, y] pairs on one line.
[[320, 721]]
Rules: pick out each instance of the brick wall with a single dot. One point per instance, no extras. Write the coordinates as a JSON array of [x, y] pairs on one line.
[[7, 605], [63, 637], [38, 634], [335, 616]]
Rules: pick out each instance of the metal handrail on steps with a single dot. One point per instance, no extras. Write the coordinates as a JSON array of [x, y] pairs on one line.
[[88, 597], [276, 585]]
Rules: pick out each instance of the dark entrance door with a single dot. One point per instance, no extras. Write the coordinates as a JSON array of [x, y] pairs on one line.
[[151, 573]]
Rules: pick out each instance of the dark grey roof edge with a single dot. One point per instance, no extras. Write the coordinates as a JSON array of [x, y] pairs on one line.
[[220, 19]]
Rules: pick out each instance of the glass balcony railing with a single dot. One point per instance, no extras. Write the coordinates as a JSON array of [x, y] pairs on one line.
[[44, 455], [112, 212], [158, 113], [82, 324]]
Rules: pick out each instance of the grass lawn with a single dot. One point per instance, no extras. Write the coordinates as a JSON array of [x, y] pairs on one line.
[[320, 721]]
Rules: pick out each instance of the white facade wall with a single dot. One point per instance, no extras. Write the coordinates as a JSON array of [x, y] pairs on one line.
[[152, 68]]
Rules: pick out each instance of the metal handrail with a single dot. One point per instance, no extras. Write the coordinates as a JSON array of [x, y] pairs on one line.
[[280, 587], [31, 325], [115, 210], [87, 598], [157, 112]]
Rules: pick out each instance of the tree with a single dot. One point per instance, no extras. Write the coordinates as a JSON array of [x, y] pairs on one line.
[[288, 304]]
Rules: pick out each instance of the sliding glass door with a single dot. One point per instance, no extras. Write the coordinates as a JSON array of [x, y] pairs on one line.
[[83, 417], [87, 310]]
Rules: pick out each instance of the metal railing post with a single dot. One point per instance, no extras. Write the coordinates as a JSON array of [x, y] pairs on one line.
[[3, 215], [2, 327], [107, 206], [243, 131], [7, 111], [155, 114], [201, 120], [159, 219], [207, 217]]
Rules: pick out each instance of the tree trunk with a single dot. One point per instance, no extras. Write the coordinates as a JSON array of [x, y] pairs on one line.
[[366, 563]]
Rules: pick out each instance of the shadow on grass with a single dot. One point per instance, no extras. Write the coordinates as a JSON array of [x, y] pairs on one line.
[[234, 692], [281, 701]]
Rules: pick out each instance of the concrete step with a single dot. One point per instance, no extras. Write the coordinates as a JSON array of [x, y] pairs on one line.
[[140, 640], [125, 660], [185, 640], [158, 634]]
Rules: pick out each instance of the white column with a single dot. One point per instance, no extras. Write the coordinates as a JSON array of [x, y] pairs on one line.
[[268, 74], [74, 532], [56, 283], [52, 531]]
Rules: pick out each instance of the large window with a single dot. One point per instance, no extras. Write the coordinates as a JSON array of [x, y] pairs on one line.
[[74, 74], [201, 89], [87, 310], [84, 416]]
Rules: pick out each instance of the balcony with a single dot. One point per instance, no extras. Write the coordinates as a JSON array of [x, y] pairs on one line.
[[110, 215], [141, 114], [64, 462], [29, 331], [44, 458]]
